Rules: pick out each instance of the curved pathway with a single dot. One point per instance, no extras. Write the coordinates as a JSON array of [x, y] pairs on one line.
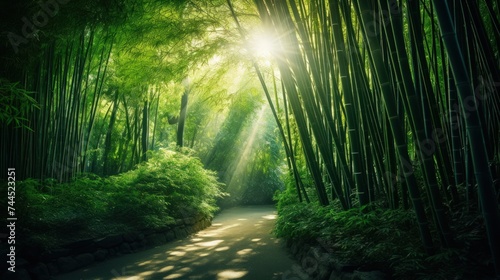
[[238, 245]]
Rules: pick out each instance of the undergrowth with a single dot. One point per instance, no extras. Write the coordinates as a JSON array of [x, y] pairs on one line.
[[171, 185], [375, 237]]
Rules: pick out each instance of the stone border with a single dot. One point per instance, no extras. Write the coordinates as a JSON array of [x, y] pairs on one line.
[[319, 264], [82, 253]]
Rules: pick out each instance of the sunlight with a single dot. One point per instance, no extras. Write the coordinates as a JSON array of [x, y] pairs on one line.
[[263, 45], [145, 274], [178, 253], [218, 230], [193, 248], [145, 263], [244, 252], [174, 276], [179, 273], [269, 217], [214, 60], [209, 243], [230, 274], [167, 268], [225, 248], [245, 153]]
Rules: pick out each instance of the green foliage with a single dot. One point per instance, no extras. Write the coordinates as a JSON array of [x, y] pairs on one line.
[[247, 151], [170, 185], [385, 238], [16, 104], [288, 196], [265, 174], [261, 187], [228, 140], [176, 180], [53, 212]]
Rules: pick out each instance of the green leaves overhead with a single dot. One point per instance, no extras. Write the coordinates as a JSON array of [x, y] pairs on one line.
[[163, 43]]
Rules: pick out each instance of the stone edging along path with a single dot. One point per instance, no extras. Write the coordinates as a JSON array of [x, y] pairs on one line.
[[82, 253], [319, 264]]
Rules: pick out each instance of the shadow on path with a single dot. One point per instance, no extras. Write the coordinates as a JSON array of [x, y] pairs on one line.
[[238, 245]]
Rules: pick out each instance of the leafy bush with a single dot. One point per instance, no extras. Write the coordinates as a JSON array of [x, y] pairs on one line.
[[385, 238], [287, 196], [170, 185], [51, 212]]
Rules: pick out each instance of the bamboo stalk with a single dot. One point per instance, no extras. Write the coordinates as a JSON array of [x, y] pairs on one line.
[[380, 71], [475, 136]]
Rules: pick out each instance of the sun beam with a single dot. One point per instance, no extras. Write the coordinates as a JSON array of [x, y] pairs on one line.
[[263, 45], [245, 154]]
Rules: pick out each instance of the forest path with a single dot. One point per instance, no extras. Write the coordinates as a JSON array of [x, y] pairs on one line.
[[238, 245]]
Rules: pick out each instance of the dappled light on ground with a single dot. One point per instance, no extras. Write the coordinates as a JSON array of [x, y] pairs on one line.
[[231, 274], [239, 245], [269, 217]]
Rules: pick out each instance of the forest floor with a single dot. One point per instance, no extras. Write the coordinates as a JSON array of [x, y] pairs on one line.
[[239, 245]]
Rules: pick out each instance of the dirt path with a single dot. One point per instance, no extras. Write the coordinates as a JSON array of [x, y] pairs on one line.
[[238, 245]]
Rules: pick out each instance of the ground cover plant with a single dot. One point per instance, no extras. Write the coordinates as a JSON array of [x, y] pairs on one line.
[[171, 185], [375, 237]]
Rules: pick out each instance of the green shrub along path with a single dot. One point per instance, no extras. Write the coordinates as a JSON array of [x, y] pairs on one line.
[[239, 245], [171, 185]]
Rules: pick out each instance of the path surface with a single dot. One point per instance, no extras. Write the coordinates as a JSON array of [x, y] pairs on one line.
[[238, 245]]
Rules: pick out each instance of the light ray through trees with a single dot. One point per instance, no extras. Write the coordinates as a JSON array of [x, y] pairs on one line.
[[244, 157]]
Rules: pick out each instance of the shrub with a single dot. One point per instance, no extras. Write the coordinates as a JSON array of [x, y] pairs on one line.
[[170, 185], [386, 238], [51, 212]]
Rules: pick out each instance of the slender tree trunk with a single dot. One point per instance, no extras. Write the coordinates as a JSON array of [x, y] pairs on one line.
[[379, 68], [155, 123], [475, 135], [350, 106], [286, 141], [106, 170], [426, 145], [128, 135], [145, 131], [182, 118]]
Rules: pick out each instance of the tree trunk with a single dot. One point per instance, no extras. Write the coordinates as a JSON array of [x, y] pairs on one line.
[[145, 131], [475, 135], [182, 118], [106, 170], [379, 69]]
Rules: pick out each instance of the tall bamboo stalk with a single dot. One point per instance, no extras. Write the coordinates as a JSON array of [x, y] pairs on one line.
[[475, 136], [379, 68], [349, 104]]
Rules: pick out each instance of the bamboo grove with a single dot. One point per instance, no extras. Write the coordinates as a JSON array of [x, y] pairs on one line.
[[93, 87], [393, 101], [97, 74], [385, 103]]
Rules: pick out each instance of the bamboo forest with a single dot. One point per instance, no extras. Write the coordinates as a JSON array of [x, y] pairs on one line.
[[250, 139]]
